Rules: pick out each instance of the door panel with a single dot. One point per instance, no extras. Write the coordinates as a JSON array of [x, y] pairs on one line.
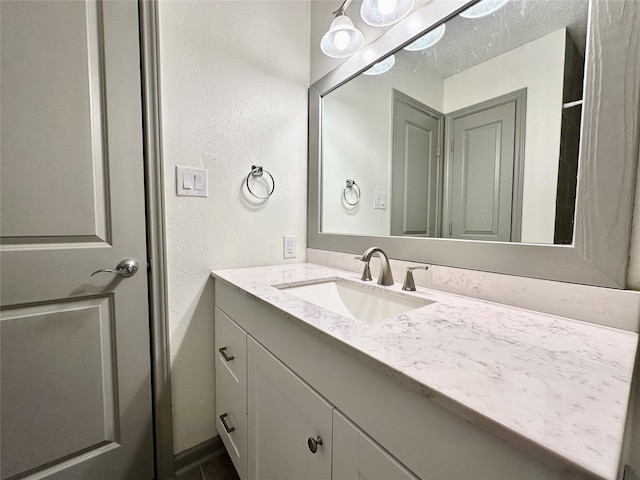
[[75, 397], [416, 171], [51, 103], [481, 161], [58, 369], [480, 174]]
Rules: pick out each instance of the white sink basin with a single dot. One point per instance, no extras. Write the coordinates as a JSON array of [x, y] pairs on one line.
[[355, 301]]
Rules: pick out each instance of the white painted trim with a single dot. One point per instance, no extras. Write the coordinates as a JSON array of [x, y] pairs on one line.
[[156, 242]]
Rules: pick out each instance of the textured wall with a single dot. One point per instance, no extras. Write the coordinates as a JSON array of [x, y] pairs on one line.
[[234, 78], [357, 144]]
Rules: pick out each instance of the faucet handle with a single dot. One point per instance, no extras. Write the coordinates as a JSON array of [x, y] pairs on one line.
[[409, 284], [366, 272]]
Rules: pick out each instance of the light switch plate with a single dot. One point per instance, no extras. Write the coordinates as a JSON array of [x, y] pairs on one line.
[[191, 182]]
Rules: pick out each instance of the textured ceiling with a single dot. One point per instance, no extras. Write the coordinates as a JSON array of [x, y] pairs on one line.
[[468, 42]]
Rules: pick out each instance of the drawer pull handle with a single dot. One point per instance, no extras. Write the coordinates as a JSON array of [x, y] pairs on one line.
[[224, 355], [313, 444], [224, 424]]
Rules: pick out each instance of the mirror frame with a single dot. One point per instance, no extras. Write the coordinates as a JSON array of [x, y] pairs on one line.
[[599, 254]]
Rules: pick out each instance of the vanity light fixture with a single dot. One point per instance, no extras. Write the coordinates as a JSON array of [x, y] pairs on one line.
[[342, 39], [483, 8], [381, 67], [382, 13], [429, 39]]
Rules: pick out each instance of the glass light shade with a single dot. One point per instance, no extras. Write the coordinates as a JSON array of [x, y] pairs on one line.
[[483, 8], [342, 39], [382, 13], [429, 39], [382, 66]]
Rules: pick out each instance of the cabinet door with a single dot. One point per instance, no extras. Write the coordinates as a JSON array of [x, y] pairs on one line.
[[231, 390], [357, 456], [285, 414]]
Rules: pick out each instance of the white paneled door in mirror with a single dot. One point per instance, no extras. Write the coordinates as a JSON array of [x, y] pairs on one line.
[[75, 391]]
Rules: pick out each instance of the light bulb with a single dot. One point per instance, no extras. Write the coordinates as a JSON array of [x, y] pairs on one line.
[[341, 40], [386, 6], [382, 13], [483, 8], [428, 40], [381, 67]]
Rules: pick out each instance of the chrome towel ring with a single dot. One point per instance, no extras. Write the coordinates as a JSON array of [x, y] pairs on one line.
[[257, 171], [351, 185]]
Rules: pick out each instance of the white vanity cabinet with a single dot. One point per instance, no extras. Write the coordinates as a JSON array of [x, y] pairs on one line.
[[231, 389], [274, 425], [289, 423], [301, 386]]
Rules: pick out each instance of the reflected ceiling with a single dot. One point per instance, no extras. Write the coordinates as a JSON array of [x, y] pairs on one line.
[[515, 24]]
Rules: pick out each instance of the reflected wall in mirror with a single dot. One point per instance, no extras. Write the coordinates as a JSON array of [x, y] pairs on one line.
[[472, 135]]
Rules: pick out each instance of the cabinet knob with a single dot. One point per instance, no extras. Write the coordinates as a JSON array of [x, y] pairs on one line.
[[226, 357], [313, 444]]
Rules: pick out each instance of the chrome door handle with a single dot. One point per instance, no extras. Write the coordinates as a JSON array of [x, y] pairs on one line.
[[126, 268]]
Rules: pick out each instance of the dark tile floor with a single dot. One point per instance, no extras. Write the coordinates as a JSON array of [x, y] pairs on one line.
[[219, 468]]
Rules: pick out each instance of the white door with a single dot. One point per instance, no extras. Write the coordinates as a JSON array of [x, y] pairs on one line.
[[285, 418], [480, 172], [75, 396], [416, 171]]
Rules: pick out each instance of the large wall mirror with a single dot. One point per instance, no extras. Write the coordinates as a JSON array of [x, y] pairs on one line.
[[490, 141]]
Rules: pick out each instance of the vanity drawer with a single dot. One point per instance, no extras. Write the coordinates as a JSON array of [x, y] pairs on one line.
[[231, 423], [231, 389], [231, 354]]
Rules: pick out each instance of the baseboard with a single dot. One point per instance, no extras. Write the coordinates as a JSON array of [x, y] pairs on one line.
[[198, 454]]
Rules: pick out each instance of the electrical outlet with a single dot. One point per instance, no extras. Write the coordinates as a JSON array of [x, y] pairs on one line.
[[289, 246], [380, 200]]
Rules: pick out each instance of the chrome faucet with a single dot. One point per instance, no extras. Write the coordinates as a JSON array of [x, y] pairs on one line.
[[409, 282], [385, 277]]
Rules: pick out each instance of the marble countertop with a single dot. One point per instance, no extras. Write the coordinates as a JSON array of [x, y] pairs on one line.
[[557, 387]]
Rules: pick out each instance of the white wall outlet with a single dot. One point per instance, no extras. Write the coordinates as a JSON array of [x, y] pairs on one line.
[[380, 200], [191, 182], [290, 246]]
